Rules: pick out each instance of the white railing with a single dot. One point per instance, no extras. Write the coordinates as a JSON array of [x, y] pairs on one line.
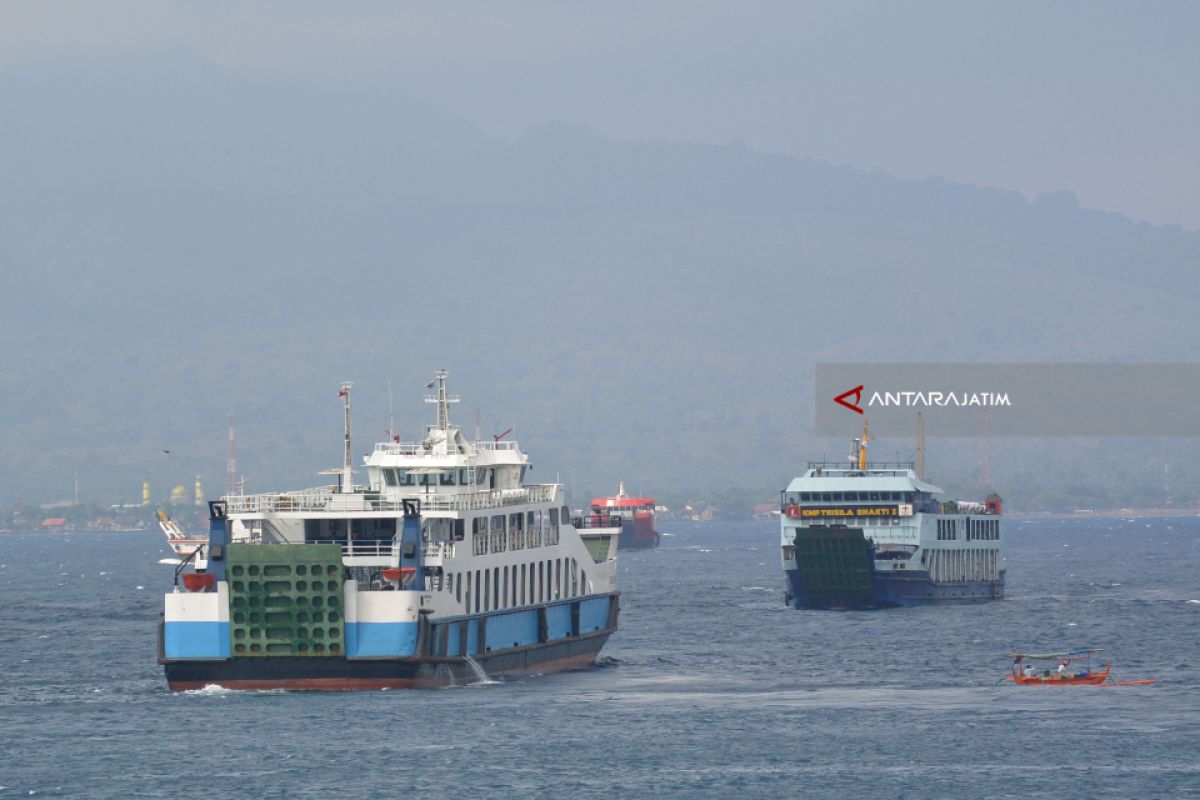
[[379, 548], [318, 499], [474, 501], [438, 550], [509, 445], [387, 548], [417, 449], [300, 500], [399, 448]]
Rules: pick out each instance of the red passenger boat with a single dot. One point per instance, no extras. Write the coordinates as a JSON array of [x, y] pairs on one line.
[[1074, 669], [636, 518]]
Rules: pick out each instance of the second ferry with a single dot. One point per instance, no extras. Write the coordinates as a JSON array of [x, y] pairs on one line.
[[859, 535], [634, 515], [444, 567]]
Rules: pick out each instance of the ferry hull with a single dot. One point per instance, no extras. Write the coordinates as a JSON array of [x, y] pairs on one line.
[[342, 674], [638, 534], [916, 588], [890, 590]]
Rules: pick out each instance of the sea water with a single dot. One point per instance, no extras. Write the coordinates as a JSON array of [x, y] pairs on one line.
[[711, 687]]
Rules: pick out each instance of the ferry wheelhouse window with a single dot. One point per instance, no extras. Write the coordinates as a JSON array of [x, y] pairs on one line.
[[389, 476], [447, 478], [554, 516]]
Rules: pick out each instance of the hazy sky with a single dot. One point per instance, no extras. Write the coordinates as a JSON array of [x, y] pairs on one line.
[[1097, 98]]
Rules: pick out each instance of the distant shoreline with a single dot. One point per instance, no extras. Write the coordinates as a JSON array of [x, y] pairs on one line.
[[1111, 513]]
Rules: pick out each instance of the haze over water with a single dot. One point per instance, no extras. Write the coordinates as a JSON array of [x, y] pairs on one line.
[[711, 688]]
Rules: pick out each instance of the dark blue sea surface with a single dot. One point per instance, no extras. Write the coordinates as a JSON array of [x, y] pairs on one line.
[[711, 688]]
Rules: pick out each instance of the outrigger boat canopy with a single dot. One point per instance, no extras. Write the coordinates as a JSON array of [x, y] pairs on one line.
[[1075, 653]]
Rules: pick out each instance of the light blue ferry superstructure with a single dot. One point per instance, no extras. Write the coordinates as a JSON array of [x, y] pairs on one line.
[[858, 535], [444, 563]]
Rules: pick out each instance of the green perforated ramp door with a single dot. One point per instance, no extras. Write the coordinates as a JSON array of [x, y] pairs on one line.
[[285, 600], [835, 562]]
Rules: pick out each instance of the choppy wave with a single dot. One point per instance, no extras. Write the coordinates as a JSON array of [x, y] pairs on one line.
[[710, 688]]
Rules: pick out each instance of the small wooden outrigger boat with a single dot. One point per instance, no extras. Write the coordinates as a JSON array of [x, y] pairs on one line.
[[1025, 674]]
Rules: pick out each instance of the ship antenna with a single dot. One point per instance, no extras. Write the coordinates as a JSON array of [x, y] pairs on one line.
[[391, 431], [231, 461], [347, 464], [920, 446], [442, 400], [862, 450]]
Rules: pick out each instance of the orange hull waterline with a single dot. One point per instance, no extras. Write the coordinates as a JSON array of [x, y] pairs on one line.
[[1091, 679]]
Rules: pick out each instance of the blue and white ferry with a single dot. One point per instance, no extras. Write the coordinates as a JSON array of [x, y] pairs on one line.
[[858, 535], [444, 566]]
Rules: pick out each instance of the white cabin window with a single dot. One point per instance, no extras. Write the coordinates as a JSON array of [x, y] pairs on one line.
[[389, 476], [479, 536], [498, 533]]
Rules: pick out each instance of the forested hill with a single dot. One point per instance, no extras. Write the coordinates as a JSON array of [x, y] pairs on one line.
[[179, 241]]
